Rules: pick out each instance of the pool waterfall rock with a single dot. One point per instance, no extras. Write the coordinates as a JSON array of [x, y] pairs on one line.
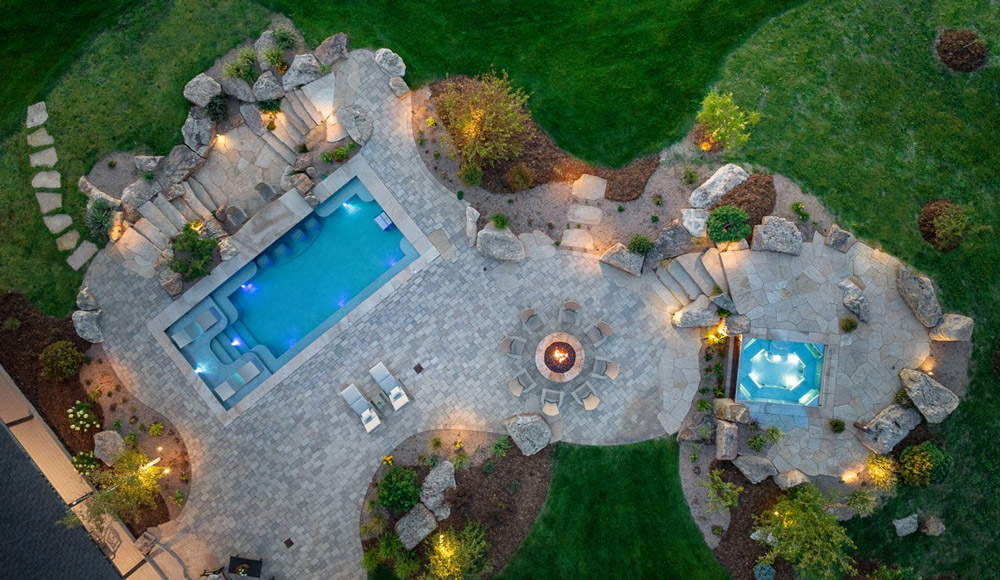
[[888, 428], [529, 432], [756, 469], [499, 244], [727, 442], [920, 295], [930, 397], [416, 525]]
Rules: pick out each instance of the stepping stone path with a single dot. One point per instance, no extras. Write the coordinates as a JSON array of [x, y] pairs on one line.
[[584, 214], [49, 201], [590, 187]]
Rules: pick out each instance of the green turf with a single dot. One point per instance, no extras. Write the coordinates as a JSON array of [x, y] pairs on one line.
[[609, 80], [615, 512], [122, 93], [860, 112]]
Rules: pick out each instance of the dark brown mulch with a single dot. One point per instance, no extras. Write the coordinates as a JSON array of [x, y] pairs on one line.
[[961, 50], [736, 550], [19, 352], [756, 196], [550, 163], [918, 435], [928, 213], [148, 517]]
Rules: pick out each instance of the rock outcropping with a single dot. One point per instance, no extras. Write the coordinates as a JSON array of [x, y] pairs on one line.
[[709, 193], [934, 401], [919, 294], [529, 432]]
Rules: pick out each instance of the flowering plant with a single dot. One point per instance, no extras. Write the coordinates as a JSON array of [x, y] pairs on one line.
[[81, 418], [387, 460]]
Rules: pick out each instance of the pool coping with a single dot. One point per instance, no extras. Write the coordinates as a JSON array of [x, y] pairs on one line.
[[262, 230]]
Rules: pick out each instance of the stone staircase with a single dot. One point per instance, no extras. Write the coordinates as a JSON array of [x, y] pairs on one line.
[[691, 275]]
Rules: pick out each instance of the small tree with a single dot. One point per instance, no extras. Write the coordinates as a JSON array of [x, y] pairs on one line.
[[728, 223], [457, 555], [485, 118], [192, 254], [806, 535], [722, 495], [724, 122], [132, 482]]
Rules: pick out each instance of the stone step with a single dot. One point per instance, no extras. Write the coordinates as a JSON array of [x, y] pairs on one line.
[[297, 126], [671, 304], [151, 233], [673, 286], [149, 211], [279, 147], [48, 202], [184, 209], [199, 193], [68, 240], [192, 200], [218, 199], [83, 252], [171, 213], [291, 107], [301, 100], [691, 263], [676, 269], [57, 223], [284, 134], [711, 261]]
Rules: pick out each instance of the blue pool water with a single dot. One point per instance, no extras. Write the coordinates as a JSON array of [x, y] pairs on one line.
[[294, 291], [780, 372]]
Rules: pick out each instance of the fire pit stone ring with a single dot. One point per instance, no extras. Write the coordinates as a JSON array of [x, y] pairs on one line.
[[559, 357]]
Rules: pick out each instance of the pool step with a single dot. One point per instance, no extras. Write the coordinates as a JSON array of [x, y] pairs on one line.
[[711, 261], [673, 286], [200, 194], [220, 351], [692, 265], [241, 330], [676, 269], [292, 117], [300, 99], [279, 148], [171, 213], [152, 213]]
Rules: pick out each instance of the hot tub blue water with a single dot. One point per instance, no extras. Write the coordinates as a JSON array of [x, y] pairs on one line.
[[778, 371], [295, 290]]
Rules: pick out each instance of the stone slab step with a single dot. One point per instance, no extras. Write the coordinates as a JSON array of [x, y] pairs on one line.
[[584, 214], [676, 269], [48, 202], [309, 107], [671, 304], [218, 199], [40, 138], [199, 193], [68, 240], [711, 261], [170, 212], [279, 147], [192, 200], [47, 180], [692, 265], [579, 239], [152, 233], [305, 112], [184, 209], [149, 211], [44, 158], [57, 223], [673, 286], [334, 130], [81, 255], [291, 117], [288, 136], [137, 253]]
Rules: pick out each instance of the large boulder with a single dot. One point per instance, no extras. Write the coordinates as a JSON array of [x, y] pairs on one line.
[[146, 163], [86, 323], [303, 70], [432, 490], [674, 240], [357, 122], [197, 131], [776, 234], [471, 225], [139, 192], [85, 299], [390, 62], [727, 177], [930, 397], [171, 282], [701, 312], [619, 257], [108, 445], [734, 323], [695, 221], [238, 88], [855, 300], [260, 46], [906, 526], [177, 166], [756, 469], [332, 49], [416, 525], [788, 479], [919, 294], [727, 440], [529, 432], [267, 87], [201, 89], [500, 245], [251, 117], [953, 327], [932, 526], [729, 410], [398, 86], [696, 426], [888, 428], [838, 239]]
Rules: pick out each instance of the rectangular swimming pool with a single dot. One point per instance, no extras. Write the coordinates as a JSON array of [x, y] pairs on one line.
[[777, 371], [291, 293]]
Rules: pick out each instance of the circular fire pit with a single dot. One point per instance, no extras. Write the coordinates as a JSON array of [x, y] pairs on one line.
[[559, 357]]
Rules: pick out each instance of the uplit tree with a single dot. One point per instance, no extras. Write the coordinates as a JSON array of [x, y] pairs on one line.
[[131, 483]]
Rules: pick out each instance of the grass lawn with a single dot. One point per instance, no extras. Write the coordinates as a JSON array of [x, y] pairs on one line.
[[609, 80], [859, 111], [615, 512]]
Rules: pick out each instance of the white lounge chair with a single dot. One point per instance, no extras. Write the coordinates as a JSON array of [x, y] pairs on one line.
[[605, 369], [513, 346], [586, 396], [551, 400], [531, 320], [570, 312], [196, 328], [390, 386], [520, 384], [361, 406], [599, 332]]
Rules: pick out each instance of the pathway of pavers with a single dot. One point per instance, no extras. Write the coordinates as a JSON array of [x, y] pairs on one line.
[[46, 158]]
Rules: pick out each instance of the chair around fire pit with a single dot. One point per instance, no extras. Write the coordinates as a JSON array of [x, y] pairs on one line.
[[570, 312], [513, 346], [520, 384], [531, 320], [599, 332], [605, 369], [551, 400], [586, 396]]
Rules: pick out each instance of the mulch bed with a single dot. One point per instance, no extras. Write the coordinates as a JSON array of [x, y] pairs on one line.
[[737, 551], [702, 141], [19, 352], [928, 213], [756, 196], [550, 163], [961, 50]]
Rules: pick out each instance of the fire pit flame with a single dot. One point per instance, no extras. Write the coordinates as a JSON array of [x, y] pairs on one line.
[[560, 357]]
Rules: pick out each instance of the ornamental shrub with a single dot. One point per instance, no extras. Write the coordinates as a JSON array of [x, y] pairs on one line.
[[85, 462], [924, 464], [500, 221], [11, 324], [284, 38], [882, 470], [848, 325], [340, 154], [98, 219], [640, 244], [156, 429], [500, 447], [269, 106], [883, 572], [862, 502], [764, 572], [728, 223], [520, 177], [399, 491], [485, 118], [192, 254], [724, 122], [837, 425], [218, 108], [470, 174], [243, 66], [82, 417], [950, 227], [722, 495], [757, 442], [458, 554], [60, 361], [807, 535]]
